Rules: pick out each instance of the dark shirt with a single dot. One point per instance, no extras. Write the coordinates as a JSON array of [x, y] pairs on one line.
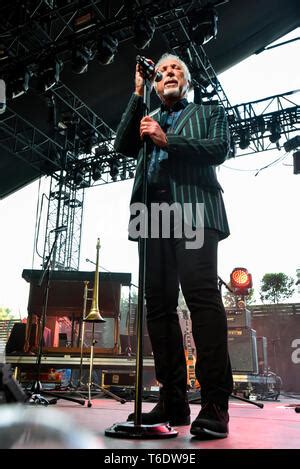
[[157, 170]]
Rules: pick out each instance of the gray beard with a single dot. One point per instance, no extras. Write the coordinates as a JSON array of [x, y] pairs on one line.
[[172, 92]]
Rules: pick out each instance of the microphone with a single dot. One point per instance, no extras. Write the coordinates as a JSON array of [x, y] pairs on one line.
[[148, 68], [59, 229]]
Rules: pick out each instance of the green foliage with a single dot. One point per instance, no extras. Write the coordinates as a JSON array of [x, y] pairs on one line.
[[276, 287], [230, 299], [5, 313]]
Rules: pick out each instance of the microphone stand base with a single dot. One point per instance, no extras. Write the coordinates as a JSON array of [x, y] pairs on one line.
[[141, 432]]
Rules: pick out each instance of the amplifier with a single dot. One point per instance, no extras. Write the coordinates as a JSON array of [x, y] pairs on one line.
[[262, 354], [238, 317], [243, 350], [118, 378]]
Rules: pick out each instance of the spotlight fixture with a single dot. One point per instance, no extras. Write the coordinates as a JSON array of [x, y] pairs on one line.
[[275, 131], [123, 172], [107, 47], [296, 161], [241, 281], [244, 135], [67, 120], [143, 30], [19, 85], [49, 73], [203, 24], [102, 150], [131, 174], [292, 143], [114, 165], [96, 171], [79, 178], [261, 125], [80, 59]]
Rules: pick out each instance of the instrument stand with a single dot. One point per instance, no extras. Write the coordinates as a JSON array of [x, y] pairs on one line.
[[135, 429], [91, 384], [36, 394]]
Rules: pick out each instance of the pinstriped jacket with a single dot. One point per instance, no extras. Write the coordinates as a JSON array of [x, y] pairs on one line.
[[196, 145]]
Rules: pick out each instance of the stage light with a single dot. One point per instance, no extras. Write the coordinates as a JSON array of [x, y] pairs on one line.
[[131, 174], [49, 73], [78, 176], [96, 171], [68, 119], [203, 24], [244, 135], [275, 131], [292, 144], [123, 172], [114, 165], [261, 125], [296, 160], [107, 47], [19, 85], [143, 30], [241, 281], [81, 58]]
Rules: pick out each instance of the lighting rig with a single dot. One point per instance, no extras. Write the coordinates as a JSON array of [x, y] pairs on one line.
[[39, 38]]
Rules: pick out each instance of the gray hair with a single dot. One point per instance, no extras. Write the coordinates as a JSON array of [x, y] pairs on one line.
[[186, 71]]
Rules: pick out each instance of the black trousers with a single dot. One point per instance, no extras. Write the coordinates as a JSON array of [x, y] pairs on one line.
[[169, 263]]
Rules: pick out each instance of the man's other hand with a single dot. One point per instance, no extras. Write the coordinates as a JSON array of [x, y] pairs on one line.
[[153, 130]]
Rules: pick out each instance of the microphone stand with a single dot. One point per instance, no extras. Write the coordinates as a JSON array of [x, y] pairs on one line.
[[35, 395], [135, 429]]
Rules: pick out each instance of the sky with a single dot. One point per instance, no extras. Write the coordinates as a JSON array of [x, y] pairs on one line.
[[263, 210]]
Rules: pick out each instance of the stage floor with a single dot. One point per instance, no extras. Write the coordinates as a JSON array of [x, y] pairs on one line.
[[69, 425]]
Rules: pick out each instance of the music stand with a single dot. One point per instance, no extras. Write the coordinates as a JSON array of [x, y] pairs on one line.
[[35, 394]]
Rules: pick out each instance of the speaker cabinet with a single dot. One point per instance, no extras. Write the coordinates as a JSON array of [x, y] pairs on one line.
[[243, 350], [10, 390], [262, 354], [238, 317], [16, 340]]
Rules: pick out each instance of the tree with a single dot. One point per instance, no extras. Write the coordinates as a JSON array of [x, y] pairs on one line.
[[230, 299], [5, 313], [276, 287]]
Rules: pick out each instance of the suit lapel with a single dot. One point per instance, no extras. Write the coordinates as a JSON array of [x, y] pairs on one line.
[[184, 116]]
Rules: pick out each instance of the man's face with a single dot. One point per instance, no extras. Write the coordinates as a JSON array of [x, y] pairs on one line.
[[173, 83]]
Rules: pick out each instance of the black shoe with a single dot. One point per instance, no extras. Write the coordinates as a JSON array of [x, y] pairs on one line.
[[212, 422], [159, 415]]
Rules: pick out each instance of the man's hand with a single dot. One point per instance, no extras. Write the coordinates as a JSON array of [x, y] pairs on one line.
[[151, 128], [139, 78]]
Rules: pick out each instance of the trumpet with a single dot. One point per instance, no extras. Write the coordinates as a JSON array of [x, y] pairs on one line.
[[94, 314]]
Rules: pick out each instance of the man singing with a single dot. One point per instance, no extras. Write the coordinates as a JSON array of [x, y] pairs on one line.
[[187, 142]]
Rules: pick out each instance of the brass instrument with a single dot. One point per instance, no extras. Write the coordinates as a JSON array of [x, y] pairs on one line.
[[94, 314]]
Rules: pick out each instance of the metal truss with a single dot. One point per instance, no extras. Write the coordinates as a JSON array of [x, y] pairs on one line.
[[54, 26], [89, 125], [260, 120], [20, 138], [80, 153], [64, 221]]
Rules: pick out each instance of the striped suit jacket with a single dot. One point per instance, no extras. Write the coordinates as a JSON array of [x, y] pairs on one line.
[[196, 145]]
